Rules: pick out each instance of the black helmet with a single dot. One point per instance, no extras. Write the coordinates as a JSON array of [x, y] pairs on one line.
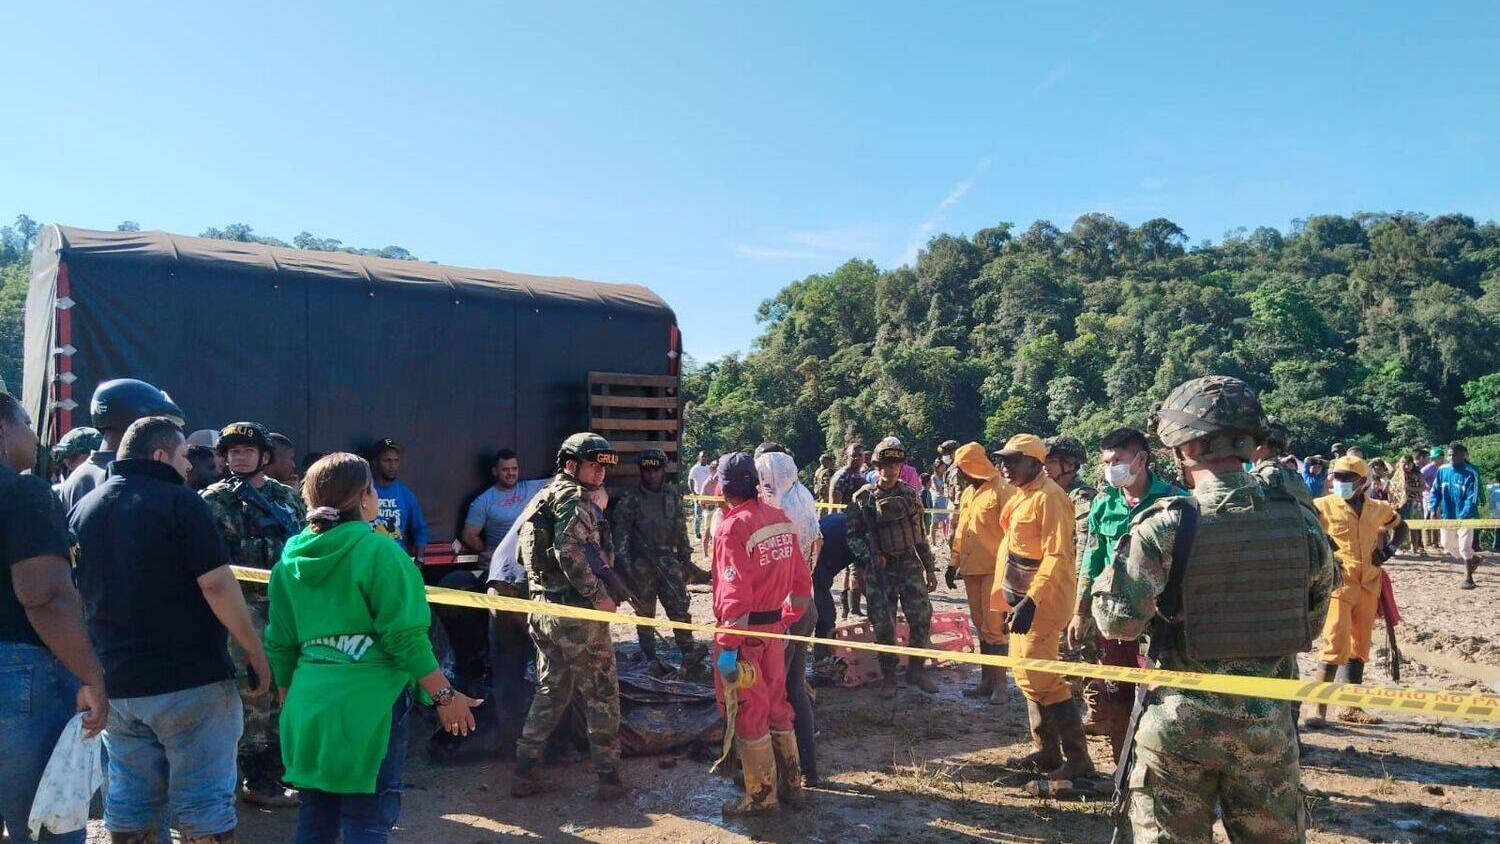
[[244, 433], [119, 402], [587, 446], [653, 458]]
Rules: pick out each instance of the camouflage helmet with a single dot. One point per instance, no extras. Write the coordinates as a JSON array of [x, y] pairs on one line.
[[948, 447], [1066, 448], [652, 458], [1204, 407], [78, 441], [1277, 437], [243, 433], [890, 450], [587, 446], [121, 401]]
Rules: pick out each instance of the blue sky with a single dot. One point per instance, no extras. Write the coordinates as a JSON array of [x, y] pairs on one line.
[[715, 152]]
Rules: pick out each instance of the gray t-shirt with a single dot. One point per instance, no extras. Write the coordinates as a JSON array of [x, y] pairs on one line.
[[495, 510]]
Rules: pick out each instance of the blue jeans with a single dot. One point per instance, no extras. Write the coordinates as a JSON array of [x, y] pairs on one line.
[[175, 750], [362, 818], [37, 699]]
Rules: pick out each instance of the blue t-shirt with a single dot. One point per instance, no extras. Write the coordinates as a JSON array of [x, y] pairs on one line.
[[400, 516], [1493, 491], [496, 509]]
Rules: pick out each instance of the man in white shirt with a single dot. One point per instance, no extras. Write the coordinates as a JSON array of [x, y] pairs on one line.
[[696, 476]]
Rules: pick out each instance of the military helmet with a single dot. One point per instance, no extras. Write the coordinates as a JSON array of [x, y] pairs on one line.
[[890, 450], [1066, 448], [1277, 436], [653, 458], [1215, 404], [243, 433], [121, 401], [948, 447], [587, 446], [78, 441]]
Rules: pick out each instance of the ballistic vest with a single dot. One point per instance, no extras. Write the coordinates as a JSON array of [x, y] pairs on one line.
[[1244, 590]]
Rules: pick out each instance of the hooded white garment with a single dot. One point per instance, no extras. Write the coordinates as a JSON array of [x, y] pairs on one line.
[[780, 488]]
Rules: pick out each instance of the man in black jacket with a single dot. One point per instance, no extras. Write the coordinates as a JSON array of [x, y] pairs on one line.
[[159, 596]]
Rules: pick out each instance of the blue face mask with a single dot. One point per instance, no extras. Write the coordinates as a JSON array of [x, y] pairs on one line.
[[1343, 489]]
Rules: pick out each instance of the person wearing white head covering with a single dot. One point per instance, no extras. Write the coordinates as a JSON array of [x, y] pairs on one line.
[[780, 488]]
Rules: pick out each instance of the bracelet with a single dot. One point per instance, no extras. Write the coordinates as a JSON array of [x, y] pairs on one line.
[[443, 696]]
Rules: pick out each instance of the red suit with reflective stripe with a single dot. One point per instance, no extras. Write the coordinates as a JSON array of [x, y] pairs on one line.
[[758, 570]]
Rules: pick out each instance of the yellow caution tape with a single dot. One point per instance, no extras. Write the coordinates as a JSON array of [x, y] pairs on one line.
[[1420, 524], [1416, 701]]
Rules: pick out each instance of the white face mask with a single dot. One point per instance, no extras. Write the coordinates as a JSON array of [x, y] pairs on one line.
[[1343, 489], [947, 460], [1119, 475]]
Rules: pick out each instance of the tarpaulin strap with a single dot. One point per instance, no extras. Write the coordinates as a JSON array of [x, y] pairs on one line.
[[1479, 707]]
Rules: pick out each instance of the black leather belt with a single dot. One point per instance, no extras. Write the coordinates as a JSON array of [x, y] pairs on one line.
[[764, 617]]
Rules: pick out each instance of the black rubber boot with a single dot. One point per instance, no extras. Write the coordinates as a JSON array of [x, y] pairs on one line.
[[526, 781], [986, 676], [1075, 747], [610, 787]]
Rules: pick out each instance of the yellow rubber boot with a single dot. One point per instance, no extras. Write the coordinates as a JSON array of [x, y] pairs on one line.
[[759, 763], [788, 769]]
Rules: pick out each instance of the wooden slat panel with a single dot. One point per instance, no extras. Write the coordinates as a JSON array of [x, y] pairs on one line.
[[669, 446], [612, 423], [632, 380], [632, 471], [654, 402]]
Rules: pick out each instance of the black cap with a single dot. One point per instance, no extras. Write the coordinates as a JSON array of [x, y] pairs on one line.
[[737, 473]]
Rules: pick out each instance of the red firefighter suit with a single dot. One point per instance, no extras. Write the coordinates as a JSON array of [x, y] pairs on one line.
[[760, 583]]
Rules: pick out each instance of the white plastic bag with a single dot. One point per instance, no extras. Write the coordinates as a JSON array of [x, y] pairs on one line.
[[72, 776]]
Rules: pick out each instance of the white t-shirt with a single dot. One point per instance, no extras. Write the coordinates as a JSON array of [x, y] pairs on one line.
[[696, 476]]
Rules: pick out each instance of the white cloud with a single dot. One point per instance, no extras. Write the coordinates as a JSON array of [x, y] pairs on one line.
[[836, 243], [935, 218], [1059, 72], [772, 253]]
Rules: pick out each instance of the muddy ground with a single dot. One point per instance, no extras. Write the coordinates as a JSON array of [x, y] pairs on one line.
[[923, 768]]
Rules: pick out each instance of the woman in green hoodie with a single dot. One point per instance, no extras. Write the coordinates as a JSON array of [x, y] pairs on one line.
[[347, 643]]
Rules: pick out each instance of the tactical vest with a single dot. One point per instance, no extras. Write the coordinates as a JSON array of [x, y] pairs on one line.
[[891, 528], [655, 517], [535, 544], [1245, 587]]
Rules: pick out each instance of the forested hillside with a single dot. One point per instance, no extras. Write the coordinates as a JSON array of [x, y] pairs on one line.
[[1382, 329]]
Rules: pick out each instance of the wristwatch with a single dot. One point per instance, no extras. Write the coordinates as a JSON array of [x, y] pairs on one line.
[[443, 696]]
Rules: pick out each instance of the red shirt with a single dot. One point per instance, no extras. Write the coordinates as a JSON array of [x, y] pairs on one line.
[[758, 567]]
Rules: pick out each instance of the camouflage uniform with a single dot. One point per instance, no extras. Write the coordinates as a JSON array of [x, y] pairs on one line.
[[562, 528], [1195, 749], [844, 484], [900, 561], [1082, 495], [1282, 480], [820, 482], [254, 544], [653, 549]]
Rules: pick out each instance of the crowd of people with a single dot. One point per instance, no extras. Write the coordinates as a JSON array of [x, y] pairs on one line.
[[1235, 562]]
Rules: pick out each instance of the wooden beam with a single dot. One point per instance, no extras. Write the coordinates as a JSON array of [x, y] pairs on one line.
[[612, 423], [632, 380], [668, 446], [652, 402]]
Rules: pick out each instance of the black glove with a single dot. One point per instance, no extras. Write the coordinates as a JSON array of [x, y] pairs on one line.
[[1020, 617], [1383, 553], [950, 575]]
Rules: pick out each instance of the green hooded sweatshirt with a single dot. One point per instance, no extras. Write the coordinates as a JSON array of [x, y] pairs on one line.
[[347, 635]]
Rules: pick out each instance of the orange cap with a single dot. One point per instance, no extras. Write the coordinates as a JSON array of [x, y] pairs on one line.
[[1028, 444]]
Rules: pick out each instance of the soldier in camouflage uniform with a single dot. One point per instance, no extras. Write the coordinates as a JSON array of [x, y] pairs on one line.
[[566, 548], [1270, 447], [652, 548], [256, 516], [821, 477], [1262, 563], [885, 524], [1065, 459]]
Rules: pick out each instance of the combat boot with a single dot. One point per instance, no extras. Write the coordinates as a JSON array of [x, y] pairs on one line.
[[526, 780], [1320, 720], [610, 787], [1075, 746], [758, 761], [916, 673], [886, 685], [648, 644], [788, 769], [986, 685], [1096, 713], [1044, 738], [1353, 714]]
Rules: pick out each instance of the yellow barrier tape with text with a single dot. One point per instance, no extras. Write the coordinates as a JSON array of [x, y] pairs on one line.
[[1415, 701], [1420, 524]]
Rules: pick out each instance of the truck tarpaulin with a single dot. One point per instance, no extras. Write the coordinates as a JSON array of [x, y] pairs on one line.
[[335, 350]]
